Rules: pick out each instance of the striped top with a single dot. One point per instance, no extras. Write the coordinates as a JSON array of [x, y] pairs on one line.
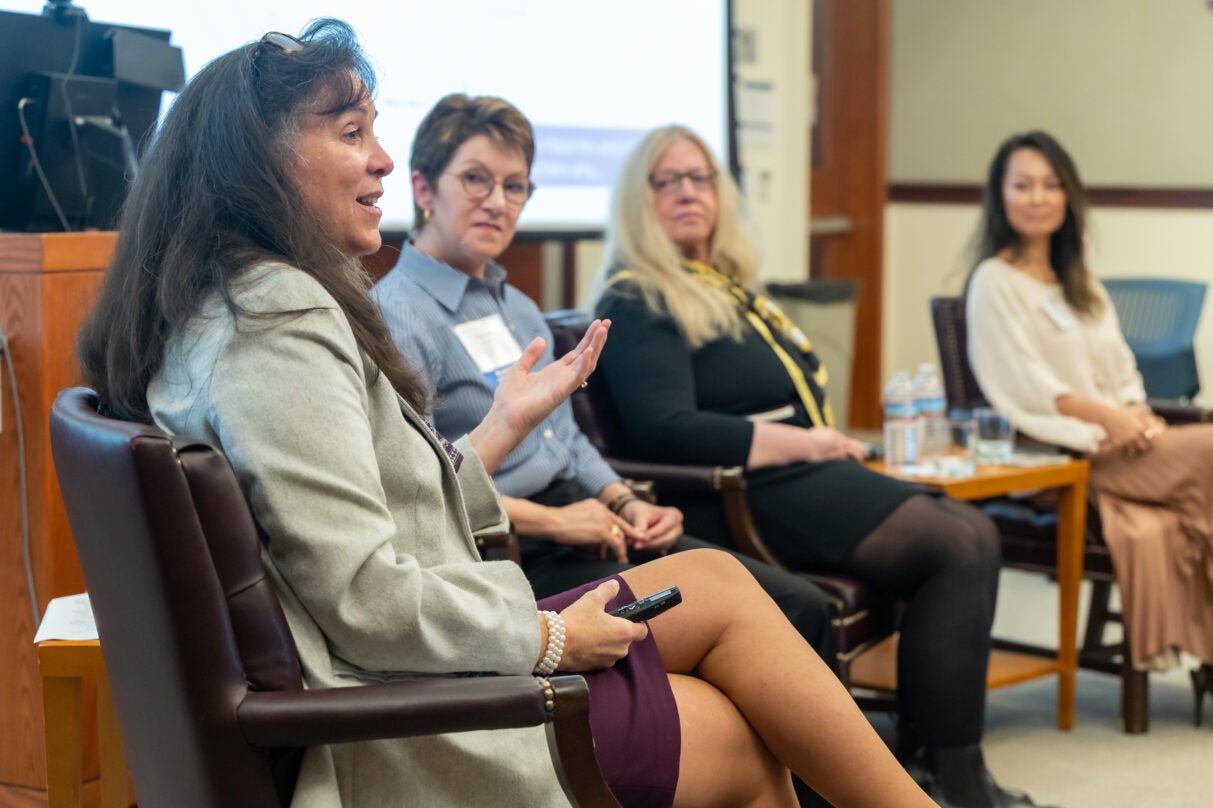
[[422, 300]]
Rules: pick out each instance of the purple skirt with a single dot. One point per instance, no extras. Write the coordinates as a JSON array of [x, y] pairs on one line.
[[637, 738]]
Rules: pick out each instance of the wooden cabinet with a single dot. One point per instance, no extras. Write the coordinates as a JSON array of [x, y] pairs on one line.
[[47, 284]]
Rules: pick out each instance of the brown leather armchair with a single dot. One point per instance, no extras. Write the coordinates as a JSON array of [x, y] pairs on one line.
[[1029, 527], [862, 617], [204, 671]]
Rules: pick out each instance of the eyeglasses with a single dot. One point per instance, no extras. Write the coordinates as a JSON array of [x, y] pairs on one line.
[[283, 42], [670, 182], [479, 184]]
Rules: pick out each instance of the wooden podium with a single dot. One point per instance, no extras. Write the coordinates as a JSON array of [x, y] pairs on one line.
[[47, 284]]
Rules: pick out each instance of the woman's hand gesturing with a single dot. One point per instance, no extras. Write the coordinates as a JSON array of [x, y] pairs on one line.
[[523, 398]]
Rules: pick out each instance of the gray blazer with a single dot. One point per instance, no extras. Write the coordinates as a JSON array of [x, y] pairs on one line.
[[369, 537]]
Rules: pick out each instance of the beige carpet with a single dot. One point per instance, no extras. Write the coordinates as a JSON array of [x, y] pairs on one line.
[[1095, 765]]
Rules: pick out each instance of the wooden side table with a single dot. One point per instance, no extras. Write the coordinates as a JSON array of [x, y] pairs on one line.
[[1069, 479], [64, 665]]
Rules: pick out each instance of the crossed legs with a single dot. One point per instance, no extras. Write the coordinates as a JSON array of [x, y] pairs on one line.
[[753, 697]]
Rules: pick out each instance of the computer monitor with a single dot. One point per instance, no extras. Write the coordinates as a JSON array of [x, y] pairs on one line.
[[77, 101]]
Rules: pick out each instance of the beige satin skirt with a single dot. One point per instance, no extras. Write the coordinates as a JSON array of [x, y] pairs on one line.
[[1157, 512]]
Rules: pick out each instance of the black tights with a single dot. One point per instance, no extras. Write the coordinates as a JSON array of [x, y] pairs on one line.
[[943, 558]]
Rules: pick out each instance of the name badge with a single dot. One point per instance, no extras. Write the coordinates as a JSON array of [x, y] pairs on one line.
[[491, 346], [1061, 315]]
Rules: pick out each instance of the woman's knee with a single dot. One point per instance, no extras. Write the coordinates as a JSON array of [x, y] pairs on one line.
[[956, 535], [723, 760], [716, 566], [979, 531]]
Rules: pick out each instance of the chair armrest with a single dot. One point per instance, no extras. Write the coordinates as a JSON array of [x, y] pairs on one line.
[[287, 718], [500, 546], [1177, 412], [667, 477], [727, 482]]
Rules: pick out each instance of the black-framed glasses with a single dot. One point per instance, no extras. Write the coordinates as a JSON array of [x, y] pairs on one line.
[[283, 42], [670, 182], [478, 184]]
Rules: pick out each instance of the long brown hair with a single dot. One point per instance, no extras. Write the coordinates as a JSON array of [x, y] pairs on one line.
[[1066, 251], [214, 196]]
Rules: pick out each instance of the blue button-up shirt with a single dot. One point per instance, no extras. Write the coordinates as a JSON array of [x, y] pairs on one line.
[[422, 299]]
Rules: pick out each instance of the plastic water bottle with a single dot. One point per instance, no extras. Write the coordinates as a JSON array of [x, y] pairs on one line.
[[901, 428], [935, 437]]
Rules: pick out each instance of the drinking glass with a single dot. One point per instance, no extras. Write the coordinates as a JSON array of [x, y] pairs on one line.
[[958, 461], [993, 438]]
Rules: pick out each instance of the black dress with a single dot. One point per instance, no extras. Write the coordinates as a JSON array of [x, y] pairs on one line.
[[679, 405], [940, 557]]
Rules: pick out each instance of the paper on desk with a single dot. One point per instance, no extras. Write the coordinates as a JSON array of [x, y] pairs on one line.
[[67, 618]]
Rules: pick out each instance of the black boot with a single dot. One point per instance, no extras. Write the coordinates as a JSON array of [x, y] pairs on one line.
[[962, 781], [908, 750]]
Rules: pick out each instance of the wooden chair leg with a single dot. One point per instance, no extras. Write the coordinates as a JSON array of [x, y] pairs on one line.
[[1097, 615], [577, 767], [1134, 699]]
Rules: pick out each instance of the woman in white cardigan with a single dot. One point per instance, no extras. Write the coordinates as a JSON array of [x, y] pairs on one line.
[[1047, 350]]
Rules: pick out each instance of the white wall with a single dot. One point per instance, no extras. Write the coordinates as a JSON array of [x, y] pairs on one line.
[[1127, 85], [775, 173], [926, 254]]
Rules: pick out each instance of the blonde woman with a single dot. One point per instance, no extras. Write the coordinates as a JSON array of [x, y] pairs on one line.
[[704, 370]]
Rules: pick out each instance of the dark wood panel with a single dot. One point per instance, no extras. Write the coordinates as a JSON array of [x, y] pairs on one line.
[[1100, 196], [378, 264], [848, 176], [523, 259]]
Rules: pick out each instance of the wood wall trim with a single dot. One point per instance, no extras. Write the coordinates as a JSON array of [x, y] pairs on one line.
[[1099, 196], [40, 253], [523, 260]]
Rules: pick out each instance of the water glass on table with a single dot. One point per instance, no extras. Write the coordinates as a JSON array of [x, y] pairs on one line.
[[958, 460], [993, 438]]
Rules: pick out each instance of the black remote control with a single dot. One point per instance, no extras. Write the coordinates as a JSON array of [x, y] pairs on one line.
[[646, 608]]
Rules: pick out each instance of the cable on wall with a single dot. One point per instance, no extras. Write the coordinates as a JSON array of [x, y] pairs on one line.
[[72, 126], [28, 140], [25, 543]]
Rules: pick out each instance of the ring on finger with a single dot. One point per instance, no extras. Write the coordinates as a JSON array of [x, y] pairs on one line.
[[616, 531]]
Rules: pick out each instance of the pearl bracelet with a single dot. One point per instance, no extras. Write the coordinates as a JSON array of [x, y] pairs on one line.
[[555, 649]]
